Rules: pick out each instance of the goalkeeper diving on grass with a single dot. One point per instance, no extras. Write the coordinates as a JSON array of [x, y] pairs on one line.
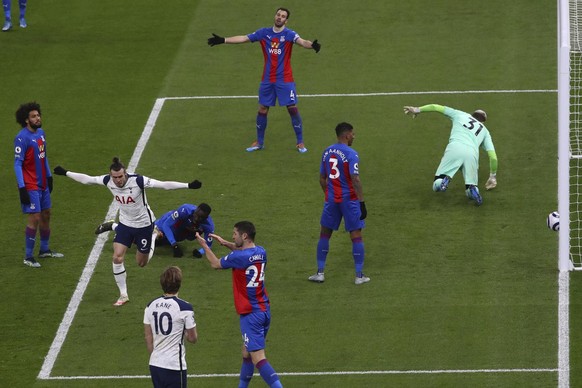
[[468, 133]]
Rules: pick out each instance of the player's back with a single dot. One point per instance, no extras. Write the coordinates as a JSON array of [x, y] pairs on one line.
[[338, 163], [168, 318], [466, 129]]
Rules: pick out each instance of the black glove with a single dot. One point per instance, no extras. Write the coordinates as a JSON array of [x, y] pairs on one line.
[[316, 46], [49, 181], [195, 184], [363, 210], [177, 250], [60, 171], [24, 197], [196, 253], [215, 40]]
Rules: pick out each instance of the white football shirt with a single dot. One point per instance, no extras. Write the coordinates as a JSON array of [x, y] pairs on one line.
[[169, 317], [134, 210]]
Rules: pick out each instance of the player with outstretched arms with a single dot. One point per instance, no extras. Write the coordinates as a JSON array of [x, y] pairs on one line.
[[277, 82], [468, 134], [135, 216]]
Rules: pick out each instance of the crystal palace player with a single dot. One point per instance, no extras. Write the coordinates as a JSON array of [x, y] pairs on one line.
[[248, 262], [339, 178], [182, 224], [34, 180], [136, 219], [277, 82]]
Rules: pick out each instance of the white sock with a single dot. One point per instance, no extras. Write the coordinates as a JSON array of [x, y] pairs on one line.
[[153, 246], [120, 278], [114, 226]]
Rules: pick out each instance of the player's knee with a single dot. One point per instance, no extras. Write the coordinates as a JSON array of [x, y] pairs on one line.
[[292, 109]]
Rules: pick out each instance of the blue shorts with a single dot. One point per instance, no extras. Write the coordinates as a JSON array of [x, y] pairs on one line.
[[168, 378], [142, 237], [333, 212], [254, 328], [39, 200], [283, 91]]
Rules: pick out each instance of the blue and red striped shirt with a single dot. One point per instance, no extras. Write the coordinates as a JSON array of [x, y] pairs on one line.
[[248, 276], [30, 161], [339, 162], [277, 48]]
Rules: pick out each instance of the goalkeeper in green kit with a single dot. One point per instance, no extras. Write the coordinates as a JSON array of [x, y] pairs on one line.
[[467, 135]]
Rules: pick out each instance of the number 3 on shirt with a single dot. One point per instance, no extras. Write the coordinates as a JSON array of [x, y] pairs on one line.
[[255, 272], [334, 171]]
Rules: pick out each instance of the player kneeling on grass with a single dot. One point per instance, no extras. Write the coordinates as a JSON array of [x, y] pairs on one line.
[[468, 133], [183, 224], [135, 216]]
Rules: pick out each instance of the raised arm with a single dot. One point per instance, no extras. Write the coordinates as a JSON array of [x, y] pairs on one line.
[[309, 44], [79, 177], [171, 185], [413, 110], [216, 40]]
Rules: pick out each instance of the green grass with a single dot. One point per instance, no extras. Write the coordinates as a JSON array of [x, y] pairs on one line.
[[454, 287]]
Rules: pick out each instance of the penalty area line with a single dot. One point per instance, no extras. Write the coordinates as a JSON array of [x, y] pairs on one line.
[[336, 373], [376, 94]]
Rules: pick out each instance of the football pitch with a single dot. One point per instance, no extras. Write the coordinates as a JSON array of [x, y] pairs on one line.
[[460, 296]]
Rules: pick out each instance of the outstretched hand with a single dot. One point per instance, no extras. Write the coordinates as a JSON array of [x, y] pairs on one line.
[[316, 46], [411, 110], [195, 184], [58, 170], [215, 39]]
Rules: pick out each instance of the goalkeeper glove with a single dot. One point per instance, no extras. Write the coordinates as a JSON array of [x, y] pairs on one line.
[[316, 46], [491, 182], [363, 210], [177, 250], [411, 110], [49, 181], [24, 197], [215, 39], [60, 171], [195, 184]]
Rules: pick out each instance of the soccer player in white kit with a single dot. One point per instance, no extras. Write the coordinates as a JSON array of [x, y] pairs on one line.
[[167, 321], [136, 219]]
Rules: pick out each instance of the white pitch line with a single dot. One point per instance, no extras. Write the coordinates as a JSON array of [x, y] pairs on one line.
[[62, 331], [336, 373], [374, 94], [563, 329]]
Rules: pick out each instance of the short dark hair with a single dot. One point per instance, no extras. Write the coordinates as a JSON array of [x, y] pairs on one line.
[[116, 165], [205, 208], [246, 227], [284, 9], [171, 280], [480, 115], [343, 127], [24, 110]]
